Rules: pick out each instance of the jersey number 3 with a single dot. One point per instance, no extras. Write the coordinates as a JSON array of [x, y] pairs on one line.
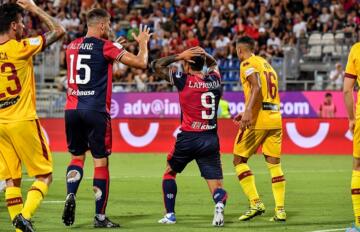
[[12, 77], [79, 66]]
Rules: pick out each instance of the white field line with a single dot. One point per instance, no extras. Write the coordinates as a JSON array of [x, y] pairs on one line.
[[329, 230], [193, 175], [53, 202]]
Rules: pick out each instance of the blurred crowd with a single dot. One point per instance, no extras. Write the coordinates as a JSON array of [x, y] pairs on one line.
[[212, 24]]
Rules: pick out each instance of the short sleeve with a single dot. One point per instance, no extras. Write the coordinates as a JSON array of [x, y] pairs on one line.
[[350, 71], [113, 51], [32, 46], [247, 69], [178, 79]]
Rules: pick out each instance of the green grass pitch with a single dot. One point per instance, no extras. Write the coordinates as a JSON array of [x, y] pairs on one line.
[[317, 196]]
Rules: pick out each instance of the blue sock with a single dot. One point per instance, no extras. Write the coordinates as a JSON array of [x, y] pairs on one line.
[[101, 189], [220, 195], [74, 175], [169, 192]]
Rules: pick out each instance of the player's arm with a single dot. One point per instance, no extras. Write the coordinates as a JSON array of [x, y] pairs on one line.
[[211, 63], [56, 31], [348, 89], [255, 87], [160, 66], [141, 59]]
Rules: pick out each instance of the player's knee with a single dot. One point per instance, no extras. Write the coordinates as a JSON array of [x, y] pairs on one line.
[[272, 160], [356, 164], [13, 182], [47, 178], [239, 160], [169, 175], [102, 162]]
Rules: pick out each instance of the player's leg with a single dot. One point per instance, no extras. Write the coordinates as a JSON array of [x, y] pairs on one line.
[[10, 171], [77, 143], [177, 160], [37, 159], [246, 144], [209, 163], [169, 189], [100, 142], [272, 151], [355, 178]]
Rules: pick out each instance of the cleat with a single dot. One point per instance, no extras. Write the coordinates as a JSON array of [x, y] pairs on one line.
[[68, 216], [169, 218], [353, 228], [106, 223], [253, 211], [280, 216], [23, 224], [218, 215]]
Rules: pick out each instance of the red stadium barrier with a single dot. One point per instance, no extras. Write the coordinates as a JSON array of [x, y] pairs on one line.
[[301, 136]]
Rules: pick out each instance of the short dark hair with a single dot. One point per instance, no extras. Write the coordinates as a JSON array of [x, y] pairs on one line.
[[9, 12], [198, 64], [250, 42], [328, 95], [96, 14]]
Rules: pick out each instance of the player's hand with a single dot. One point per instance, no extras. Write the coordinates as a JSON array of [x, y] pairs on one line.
[[26, 4], [190, 53], [246, 120], [352, 126], [237, 119], [144, 34]]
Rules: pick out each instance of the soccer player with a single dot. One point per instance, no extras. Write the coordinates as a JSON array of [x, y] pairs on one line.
[[87, 113], [260, 124], [22, 139], [352, 74], [199, 96]]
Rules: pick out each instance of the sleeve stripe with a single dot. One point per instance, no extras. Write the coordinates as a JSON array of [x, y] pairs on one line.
[[118, 58], [44, 42], [351, 76]]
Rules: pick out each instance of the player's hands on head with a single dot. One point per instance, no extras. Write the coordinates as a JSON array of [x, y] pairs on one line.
[[26, 4], [190, 53], [144, 34]]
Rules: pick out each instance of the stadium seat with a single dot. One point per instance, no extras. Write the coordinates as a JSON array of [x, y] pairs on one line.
[[328, 38], [339, 36], [315, 39], [329, 49], [315, 52]]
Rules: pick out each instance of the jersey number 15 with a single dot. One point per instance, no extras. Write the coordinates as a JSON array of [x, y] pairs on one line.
[[79, 66]]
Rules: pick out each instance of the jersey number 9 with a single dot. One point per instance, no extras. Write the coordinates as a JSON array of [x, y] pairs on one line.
[[208, 105]]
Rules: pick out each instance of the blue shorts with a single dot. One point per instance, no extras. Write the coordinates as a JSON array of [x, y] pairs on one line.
[[88, 130], [203, 147]]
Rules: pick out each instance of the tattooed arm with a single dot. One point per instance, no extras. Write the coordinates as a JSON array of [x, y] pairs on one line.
[[56, 31], [211, 63], [160, 66]]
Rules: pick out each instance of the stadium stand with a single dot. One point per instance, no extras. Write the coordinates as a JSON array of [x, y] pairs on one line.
[[313, 35]]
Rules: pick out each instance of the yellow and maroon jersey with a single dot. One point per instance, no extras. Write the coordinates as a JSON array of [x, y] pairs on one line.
[[266, 111], [17, 81], [353, 70]]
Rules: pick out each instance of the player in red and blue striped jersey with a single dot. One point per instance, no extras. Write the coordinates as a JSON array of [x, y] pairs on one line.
[[87, 113], [199, 96]]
